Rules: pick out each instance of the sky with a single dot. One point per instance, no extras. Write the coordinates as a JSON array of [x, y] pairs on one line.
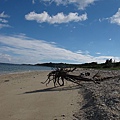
[[67, 31]]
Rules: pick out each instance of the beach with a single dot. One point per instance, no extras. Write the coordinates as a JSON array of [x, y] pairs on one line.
[[24, 97]]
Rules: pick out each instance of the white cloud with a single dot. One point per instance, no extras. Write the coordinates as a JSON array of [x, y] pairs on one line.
[[79, 52], [59, 18], [3, 20], [98, 53], [22, 49], [33, 1], [81, 4], [5, 57], [4, 25], [3, 15], [116, 18], [83, 52]]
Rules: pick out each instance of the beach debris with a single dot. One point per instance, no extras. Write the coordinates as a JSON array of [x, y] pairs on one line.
[[102, 101], [6, 80], [57, 76], [60, 74]]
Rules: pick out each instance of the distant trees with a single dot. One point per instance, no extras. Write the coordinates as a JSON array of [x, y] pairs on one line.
[[108, 63], [111, 64]]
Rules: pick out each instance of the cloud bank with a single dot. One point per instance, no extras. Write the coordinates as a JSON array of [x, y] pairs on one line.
[[81, 4], [59, 18], [22, 49]]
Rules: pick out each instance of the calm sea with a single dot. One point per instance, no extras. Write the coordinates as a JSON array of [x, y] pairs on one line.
[[12, 68]]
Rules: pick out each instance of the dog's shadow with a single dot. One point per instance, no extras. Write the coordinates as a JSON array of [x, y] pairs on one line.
[[53, 89]]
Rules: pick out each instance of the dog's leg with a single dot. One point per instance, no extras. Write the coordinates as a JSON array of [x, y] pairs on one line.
[[54, 80], [45, 81]]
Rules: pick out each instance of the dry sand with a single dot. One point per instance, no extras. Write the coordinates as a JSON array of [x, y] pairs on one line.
[[23, 97]]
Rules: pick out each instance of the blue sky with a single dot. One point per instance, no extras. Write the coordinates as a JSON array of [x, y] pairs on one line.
[[68, 31]]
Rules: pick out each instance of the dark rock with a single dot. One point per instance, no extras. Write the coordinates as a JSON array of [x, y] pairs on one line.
[[6, 80]]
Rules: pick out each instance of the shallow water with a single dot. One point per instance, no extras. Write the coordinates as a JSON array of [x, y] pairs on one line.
[[12, 68]]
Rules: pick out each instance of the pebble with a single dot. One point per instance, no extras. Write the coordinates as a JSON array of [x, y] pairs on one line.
[[105, 99], [6, 80]]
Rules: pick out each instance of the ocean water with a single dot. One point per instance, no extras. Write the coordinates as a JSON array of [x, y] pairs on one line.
[[12, 68]]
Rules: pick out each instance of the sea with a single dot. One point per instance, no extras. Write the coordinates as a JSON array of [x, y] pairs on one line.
[[6, 68]]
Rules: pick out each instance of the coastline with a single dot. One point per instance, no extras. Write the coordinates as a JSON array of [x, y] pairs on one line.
[[23, 97]]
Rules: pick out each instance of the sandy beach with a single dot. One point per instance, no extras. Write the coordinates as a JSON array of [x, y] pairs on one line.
[[23, 97]]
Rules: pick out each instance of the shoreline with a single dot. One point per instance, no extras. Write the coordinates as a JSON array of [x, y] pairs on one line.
[[18, 72]]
